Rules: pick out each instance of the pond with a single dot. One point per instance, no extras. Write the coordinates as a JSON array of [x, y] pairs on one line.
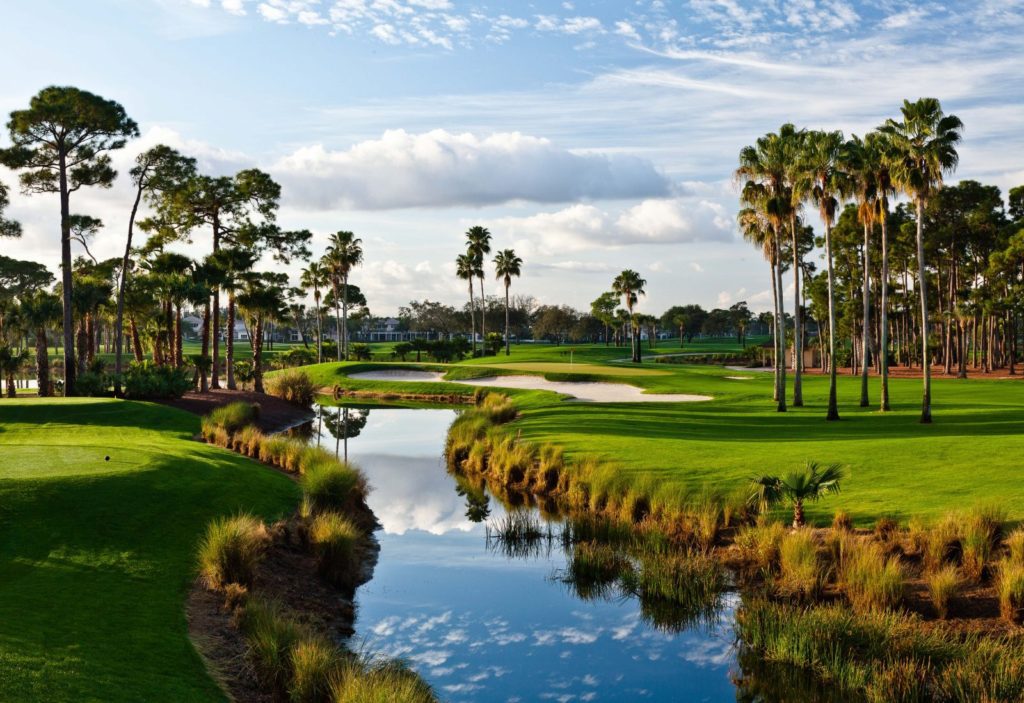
[[484, 622]]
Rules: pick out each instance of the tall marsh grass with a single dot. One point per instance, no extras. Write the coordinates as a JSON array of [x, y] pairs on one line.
[[231, 549], [943, 586], [335, 541], [331, 486], [292, 385], [1010, 587], [231, 417], [870, 579], [800, 569]]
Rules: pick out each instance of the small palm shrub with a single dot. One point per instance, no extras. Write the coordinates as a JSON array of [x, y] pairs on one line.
[[379, 682], [758, 545], [812, 483], [943, 586], [314, 663], [331, 486], [233, 416], [871, 580], [335, 540], [800, 573], [292, 385], [231, 550], [1010, 587]]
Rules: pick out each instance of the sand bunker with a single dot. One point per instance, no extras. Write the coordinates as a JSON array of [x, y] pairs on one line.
[[755, 369], [590, 392], [741, 378]]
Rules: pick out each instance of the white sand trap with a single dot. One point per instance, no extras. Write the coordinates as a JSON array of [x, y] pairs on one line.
[[398, 375], [741, 378], [586, 391], [755, 369]]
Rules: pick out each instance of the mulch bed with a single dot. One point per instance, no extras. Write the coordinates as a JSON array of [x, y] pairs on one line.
[[275, 415]]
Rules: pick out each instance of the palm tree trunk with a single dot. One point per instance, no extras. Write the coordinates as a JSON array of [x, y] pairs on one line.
[[215, 330], [865, 350], [507, 350], [926, 400], [319, 330], [798, 338], [775, 329], [42, 363], [229, 343], [337, 316], [781, 407], [205, 353], [344, 313], [472, 315], [798, 513], [883, 347], [483, 316], [178, 344], [257, 355], [833, 405]]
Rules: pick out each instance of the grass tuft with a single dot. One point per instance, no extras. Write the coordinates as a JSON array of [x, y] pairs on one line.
[[1010, 587], [871, 580], [335, 541], [800, 574], [331, 486], [292, 385], [943, 586], [231, 550]]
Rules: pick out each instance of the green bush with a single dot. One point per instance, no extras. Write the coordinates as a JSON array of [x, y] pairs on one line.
[[298, 356], [92, 384], [293, 385], [360, 352], [335, 539], [149, 381], [331, 486], [231, 550]]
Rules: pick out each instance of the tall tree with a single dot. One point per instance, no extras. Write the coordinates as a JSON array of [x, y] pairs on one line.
[[630, 287], [156, 170], [314, 277], [826, 184], [880, 147], [507, 265], [261, 300], [344, 252], [603, 308], [8, 228], [466, 268], [478, 245], [233, 263], [861, 162], [924, 151], [40, 311], [60, 143]]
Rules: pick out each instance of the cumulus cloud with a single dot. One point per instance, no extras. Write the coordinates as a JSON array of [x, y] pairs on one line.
[[583, 227], [440, 168]]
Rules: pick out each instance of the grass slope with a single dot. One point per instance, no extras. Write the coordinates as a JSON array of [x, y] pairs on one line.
[[897, 467], [96, 557]]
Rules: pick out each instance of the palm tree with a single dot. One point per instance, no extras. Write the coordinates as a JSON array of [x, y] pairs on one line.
[[764, 167], [881, 147], [344, 252], [825, 183], [466, 269], [630, 286], [315, 277], [11, 362], [758, 231], [923, 152], [40, 311], [478, 245], [793, 140], [861, 162], [233, 263], [507, 265], [261, 300], [812, 484]]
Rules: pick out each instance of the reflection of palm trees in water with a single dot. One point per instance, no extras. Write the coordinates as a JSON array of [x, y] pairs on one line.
[[478, 504], [342, 424]]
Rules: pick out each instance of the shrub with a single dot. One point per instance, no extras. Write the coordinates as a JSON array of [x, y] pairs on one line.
[[231, 550], [335, 539], [842, 522], [871, 580], [314, 663], [1010, 586], [942, 588], [758, 545], [92, 384], [234, 416], [298, 356], [146, 380], [292, 385], [270, 637], [331, 486], [360, 352], [799, 569], [382, 682]]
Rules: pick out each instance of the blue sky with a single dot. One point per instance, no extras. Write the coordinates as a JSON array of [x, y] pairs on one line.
[[591, 136]]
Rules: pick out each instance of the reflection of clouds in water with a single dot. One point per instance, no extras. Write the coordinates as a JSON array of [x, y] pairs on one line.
[[413, 493]]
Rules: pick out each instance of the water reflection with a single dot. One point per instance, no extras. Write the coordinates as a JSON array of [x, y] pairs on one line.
[[496, 603]]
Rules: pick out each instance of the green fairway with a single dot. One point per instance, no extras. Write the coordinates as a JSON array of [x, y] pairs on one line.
[[96, 556], [897, 467]]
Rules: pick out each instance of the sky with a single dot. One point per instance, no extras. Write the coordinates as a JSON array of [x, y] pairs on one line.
[[589, 136]]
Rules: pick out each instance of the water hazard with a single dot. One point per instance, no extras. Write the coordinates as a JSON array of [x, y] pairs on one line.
[[485, 620]]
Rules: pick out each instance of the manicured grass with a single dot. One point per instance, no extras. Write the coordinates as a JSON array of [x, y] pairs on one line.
[[896, 466], [97, 556]]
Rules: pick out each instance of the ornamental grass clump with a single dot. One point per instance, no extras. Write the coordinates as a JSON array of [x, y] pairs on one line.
[[233, 416], [314, 663], [333, 486], [758, 545], [292, 385], [706, 515], [1015, 546], [943, 586], [231, 549], [270, 636], [1010, 587], [335, 541], [389, 681], [871, 580], [800, 572], [981, 533], [247, 441]]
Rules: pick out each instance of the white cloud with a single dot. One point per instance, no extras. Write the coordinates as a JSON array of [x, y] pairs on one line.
[[625, 29], [439, 168]]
